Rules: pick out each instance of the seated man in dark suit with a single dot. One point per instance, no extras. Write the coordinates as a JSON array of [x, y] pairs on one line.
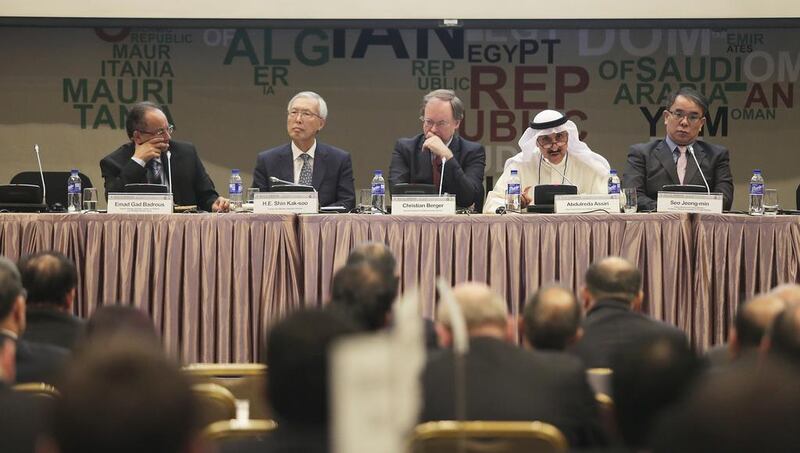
[[152, 156], [502, 381], [655, 164], [552, 319], [51, 281], [613, 298], [305, 160], [35, 362], [439, 154], [21, 415]]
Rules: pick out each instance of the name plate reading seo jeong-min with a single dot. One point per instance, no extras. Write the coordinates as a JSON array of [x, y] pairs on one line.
[[286, 203], [695, 203], [139, 203], [586, 204], [423, 205]]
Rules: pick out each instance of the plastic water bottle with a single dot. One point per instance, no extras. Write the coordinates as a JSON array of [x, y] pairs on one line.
[[513, 193], [757, 193], [613, 183], [378, 193], [235, 190], [74, 192]]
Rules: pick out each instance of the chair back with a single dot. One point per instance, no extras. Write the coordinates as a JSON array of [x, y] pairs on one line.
[[228, 430], [607, 415], [55, 184], [600, 379], [215, 403], [487, 437], [246, 381], [39, 390]]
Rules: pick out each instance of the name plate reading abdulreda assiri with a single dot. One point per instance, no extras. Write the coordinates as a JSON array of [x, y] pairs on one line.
[[695, 203], [584, 204], [286, 203], [139, 203], [423, 205]]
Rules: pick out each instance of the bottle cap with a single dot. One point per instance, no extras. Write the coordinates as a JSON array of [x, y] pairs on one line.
[[757, 171], [235, 171], [613, 171], [379, 172], [74, 170], [514, 172]]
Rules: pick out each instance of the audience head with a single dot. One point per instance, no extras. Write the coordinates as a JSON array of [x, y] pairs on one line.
[[12, 298], [752, 321], [366, 293], [552, 319], [613, 278], [297, 355], [124, 396], [111, 321], [50, 278], [377, 255], [789, 292], [485, 313], [649, 377], [747, 410], [784, 336]]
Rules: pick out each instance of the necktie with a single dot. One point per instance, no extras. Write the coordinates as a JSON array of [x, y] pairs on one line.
[[681, 163], [305, 172], [436, 162], [153, 172]]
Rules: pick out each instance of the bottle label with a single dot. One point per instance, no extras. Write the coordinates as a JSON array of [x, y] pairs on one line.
[[756, 188], [513, 189], [378, 188], [235, 188], [74, 187], [613, 188]]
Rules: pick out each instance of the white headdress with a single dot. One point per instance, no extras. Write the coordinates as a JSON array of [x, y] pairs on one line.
[[549, 122]]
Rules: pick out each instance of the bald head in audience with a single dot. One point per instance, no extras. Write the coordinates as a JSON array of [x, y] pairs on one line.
[[784, 336], [484, 312], [789, 292], [613, 278], [552, 319], [753, 320], [377, 255]]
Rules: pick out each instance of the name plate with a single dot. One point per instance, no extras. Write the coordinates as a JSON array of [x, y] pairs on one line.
[[139, 203], [427, 205], [286, 203], [696, 203], [586, 204]]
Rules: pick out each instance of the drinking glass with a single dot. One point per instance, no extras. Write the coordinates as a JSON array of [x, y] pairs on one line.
[[629, 195], [771, 202], [365, 201], [251, 194], [90, 199]]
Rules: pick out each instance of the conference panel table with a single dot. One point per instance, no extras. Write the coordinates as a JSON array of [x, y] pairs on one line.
[[212, 283]]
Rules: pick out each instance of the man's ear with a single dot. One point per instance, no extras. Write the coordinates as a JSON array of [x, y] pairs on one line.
[[445, 336], [576, 338], [70, 299], [636, 303], [586, 298], [18, 313]]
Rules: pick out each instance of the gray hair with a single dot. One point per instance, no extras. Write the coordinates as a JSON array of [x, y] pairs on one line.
[[446, 96], [323, 107], [479, 305]]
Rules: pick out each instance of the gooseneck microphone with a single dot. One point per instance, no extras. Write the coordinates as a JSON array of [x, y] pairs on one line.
[[41, 174], [441, 176], [549, 165], [284, 182], [690, 150], [169, 169]]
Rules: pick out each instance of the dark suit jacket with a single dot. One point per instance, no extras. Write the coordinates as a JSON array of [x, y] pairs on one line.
[[190, 182], [332, 175], [52, 326], [651, 165], [462, 175], [39, 362], [21, 421], [504, 382], [610, 325]]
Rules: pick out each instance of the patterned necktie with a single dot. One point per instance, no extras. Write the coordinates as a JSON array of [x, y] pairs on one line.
[[436, 162], [153, 172], [305, 172], [681, 163]]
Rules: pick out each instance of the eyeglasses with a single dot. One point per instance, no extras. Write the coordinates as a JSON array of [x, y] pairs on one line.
[[169, 130], [304, 114], [546, 141], [430, 123], [680, 115]]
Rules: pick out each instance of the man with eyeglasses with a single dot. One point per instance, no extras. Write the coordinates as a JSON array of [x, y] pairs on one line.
[[152, 156], [653, 165], [551, 153], [304, 160], [438, 155]]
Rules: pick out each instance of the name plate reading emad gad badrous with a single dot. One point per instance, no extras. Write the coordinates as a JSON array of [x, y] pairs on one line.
[[286, 203], [139, 203]]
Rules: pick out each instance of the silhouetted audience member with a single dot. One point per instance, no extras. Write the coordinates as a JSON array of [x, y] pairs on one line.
[[784, 337], [120, 320], [753, 321], [20, 414], [789, 292], [613, 299], [649, 377], [502, 381], [366, 293], [297, 352], [552, 319], [754, 409], [35, 362], [51, 281], [124, 396]]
